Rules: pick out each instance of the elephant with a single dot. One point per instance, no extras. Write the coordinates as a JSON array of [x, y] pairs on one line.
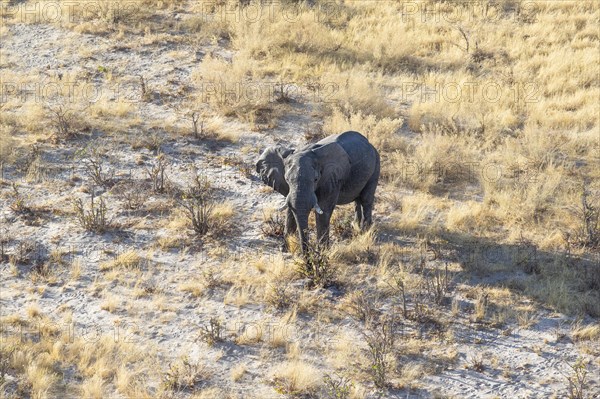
[[337, 170]]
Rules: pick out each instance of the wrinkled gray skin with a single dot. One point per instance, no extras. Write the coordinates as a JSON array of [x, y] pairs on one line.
[[339, 169]]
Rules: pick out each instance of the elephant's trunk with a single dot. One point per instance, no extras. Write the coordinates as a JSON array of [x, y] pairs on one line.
[[302, 222], [302, 203], [301, 216]]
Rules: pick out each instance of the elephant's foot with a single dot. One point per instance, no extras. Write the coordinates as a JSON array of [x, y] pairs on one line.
[[366, 225]]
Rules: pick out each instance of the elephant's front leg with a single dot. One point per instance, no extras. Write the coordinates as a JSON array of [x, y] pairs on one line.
[[290, 228], [323, 221]]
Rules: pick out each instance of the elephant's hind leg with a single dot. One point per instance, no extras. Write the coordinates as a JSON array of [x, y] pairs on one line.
[[367, 199], [358, 212]]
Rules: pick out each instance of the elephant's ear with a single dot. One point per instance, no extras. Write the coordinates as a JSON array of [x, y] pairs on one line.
[[271, 169], [335, 165]]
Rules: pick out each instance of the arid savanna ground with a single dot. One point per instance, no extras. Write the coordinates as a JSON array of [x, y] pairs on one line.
[[139, 251]]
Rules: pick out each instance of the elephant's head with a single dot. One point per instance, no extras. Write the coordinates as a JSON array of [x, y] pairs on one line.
[[271, 169]]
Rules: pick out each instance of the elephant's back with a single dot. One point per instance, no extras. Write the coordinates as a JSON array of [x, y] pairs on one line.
[[364, 160], [362, 153], [355, 144], [348, 140]]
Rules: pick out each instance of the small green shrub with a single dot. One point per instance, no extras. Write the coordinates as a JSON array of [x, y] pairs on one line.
[[337, 387], [379, 337], [95, 218], [212, 332], [183, 374]]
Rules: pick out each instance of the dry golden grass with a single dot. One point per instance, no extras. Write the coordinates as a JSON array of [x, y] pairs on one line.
[[33, 311], [39, 363], [110, 304], [240, 296], [586, 333], [126, 260], [238, 372], [356, 249], [296, 377], [251, 335], [194, 287]]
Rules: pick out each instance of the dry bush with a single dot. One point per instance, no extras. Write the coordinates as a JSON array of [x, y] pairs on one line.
[[132, 193], [481, 306], [238, 372], [337, 387], [280, 295], [158, 174], [67, 120], [94, 219], [578, 380], [588, 234], [362, 305], [273, 224], [61, 119], [379, 337], [316, 265], [476, 363], [19, 204], [183, 374], [398, 289], [97, 170], [212, 332], [39, 170], [437, 283], [28, 251], [198, 203]]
